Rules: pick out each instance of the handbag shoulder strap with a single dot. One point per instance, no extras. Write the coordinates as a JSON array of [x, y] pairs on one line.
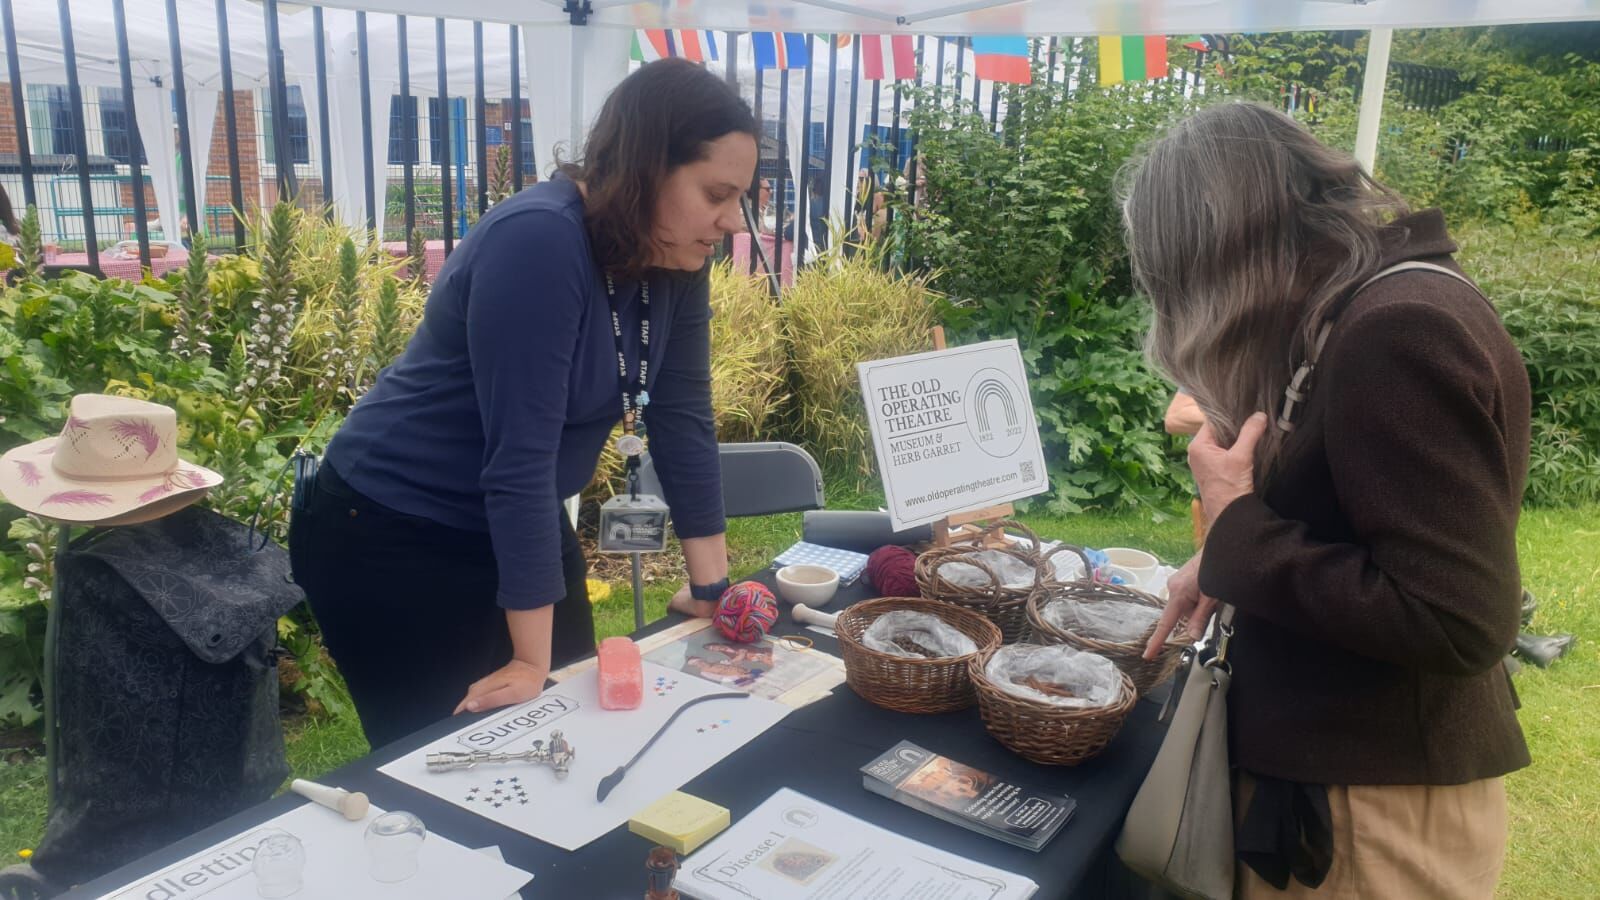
[[1300, 385]]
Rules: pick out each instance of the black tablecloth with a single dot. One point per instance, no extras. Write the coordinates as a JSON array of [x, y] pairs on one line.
[[818, 751]]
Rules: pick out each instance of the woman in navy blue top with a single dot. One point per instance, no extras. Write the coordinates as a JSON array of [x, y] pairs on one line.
[[435, 551]]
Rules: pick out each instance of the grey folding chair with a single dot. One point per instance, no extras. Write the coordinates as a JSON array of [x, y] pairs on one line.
[[758, 479]]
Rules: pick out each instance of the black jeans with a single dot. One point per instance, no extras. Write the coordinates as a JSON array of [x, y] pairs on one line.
[[407, 606]]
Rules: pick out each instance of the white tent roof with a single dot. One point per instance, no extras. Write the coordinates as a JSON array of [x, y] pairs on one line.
[[1061, 17]]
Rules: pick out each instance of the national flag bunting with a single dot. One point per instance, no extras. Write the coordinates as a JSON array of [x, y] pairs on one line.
[[890, 56], [661, 43], [1207, 43], [1003, 58], [1132, 58], [780, 50]]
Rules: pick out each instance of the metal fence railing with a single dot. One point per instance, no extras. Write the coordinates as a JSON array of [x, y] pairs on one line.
[[79, 152]]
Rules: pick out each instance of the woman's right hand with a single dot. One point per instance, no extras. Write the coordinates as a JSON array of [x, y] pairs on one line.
[[514, 682], [1184, 601], [523, 678]]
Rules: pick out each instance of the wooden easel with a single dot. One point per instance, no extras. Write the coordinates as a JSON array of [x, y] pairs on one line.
[[980, 525]]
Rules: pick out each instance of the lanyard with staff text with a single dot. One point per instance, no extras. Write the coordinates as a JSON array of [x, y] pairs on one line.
[[635, 397]]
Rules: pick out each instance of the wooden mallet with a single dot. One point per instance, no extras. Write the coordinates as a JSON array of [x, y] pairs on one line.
[[352, 806], [805, 615]]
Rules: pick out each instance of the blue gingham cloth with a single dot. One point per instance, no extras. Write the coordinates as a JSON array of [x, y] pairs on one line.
[[847, 563]]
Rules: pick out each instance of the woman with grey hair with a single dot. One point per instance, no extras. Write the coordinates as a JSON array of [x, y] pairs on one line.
[[1361, 471]]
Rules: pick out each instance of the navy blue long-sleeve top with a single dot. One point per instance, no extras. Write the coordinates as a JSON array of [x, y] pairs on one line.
[[501, 403]]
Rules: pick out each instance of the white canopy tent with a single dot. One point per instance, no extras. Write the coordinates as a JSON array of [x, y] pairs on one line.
[[576, 50]]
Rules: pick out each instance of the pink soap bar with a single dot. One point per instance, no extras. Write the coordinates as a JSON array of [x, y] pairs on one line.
[[621, 674]]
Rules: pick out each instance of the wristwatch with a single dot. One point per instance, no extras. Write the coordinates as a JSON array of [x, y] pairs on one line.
[[709, 592]]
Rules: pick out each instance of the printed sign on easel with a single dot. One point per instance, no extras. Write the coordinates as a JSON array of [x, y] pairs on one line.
[[953, 430]]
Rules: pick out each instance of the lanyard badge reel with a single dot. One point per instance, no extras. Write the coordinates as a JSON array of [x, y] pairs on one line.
[[632, 522]]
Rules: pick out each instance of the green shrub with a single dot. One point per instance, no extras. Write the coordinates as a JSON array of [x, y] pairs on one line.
[[1547, 287], [1023, 234], [845, 310], [749, 369], [195, 341], [749, 355]]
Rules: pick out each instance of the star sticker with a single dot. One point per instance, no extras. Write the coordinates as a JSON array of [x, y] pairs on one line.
[[513, 779], [524, 801], [498, 791], [499, 781], [469, 798], [472, 791], [497, 806], [699, 731]]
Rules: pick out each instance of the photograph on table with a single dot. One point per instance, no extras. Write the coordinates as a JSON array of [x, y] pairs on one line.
[[505, 771], [778, 669], [314, 853]]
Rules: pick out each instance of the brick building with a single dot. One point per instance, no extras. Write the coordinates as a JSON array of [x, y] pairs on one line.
[[52, 140]]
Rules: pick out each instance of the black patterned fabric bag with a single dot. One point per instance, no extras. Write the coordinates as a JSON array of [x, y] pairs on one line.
[[165, 689]]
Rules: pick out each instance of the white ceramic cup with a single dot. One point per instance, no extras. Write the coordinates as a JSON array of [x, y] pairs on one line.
[[1140, 565], [1128, 579], [812, 585]]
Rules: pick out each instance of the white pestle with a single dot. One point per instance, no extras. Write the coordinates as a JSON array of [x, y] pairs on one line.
[[805, 615], [352, 806]]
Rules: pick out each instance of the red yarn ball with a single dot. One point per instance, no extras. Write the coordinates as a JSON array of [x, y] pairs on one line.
[[893, 571]]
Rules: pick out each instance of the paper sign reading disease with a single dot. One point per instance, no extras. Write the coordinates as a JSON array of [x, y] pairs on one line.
[[953, 430]]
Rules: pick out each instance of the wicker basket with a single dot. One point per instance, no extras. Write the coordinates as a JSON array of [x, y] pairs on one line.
[[1033, 550], [1042, 733], [1047, 566], [1006, 607], [1127, 656], [904, 684]]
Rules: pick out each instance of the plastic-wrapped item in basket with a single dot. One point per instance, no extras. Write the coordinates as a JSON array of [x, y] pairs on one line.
[[1055, 674], [1107, 620], [916, 635], [995, 582], [1011, 571]]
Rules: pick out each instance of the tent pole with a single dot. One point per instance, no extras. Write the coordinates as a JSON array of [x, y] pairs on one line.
[[479, 110], [180, 100], [853, 153], [780, 190], [802, 193], [731, 49], [369, 188], [829, 136], [141, 217], [18, 105], [1372, 88], [278, 85], [516, 114], [230, 119], [755, 185], [408, 133], [80, 137], [319, 41], [447, 214]]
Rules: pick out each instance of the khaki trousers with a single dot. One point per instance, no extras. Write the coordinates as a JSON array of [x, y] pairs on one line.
[[1412, 842]]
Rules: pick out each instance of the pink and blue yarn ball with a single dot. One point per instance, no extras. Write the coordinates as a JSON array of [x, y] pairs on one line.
[[746, 612]]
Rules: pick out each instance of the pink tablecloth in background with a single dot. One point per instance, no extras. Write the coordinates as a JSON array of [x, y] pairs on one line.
[[741, 256], [126, 269], [433, 255]]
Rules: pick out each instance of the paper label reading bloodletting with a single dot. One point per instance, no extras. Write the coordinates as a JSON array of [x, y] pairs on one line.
[[198, 876]]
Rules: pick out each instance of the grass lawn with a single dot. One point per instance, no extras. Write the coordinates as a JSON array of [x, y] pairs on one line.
[[1555, 805]]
